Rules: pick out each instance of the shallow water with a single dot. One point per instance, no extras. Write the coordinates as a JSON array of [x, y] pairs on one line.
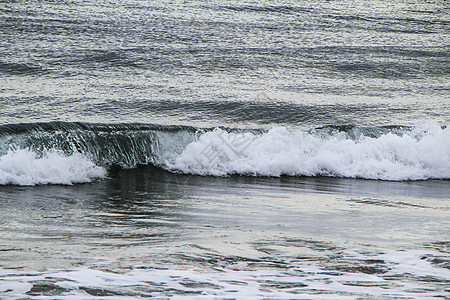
[[148, 232]]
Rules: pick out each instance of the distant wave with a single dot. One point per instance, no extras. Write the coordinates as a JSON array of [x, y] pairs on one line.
[[67, 153]]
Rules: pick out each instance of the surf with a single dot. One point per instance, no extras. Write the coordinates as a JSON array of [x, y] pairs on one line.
[[68, 153]]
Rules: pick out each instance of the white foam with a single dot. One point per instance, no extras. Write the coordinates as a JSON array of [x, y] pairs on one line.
[[406, 276], [24, 167], [422, 153]]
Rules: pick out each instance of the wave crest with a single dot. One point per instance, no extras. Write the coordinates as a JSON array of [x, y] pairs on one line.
[[25, 167], [82, 152], [412, 155]]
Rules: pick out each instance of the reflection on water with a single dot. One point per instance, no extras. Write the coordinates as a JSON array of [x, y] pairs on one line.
[[146, 232], [140, 214]]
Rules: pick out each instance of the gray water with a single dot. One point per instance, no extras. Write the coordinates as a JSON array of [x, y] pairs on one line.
[[108, 149], [145, 233], [225, 63]]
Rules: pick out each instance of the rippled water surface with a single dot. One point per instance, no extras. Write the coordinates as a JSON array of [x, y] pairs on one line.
[[238, 63]]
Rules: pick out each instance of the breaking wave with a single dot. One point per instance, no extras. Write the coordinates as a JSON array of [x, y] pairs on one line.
[[410, 155], [24, 167], [67, 153]]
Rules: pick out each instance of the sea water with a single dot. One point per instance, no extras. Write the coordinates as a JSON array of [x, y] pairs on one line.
[[224, 149]]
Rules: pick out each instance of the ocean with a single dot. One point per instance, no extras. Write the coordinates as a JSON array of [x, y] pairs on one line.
[[224, 149]]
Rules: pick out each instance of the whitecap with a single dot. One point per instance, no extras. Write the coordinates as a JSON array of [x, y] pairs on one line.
[[25, 167], [418, 154]]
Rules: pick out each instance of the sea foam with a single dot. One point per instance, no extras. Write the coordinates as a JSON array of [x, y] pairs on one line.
[[407, 273], [82, 154], [25, 167], [417, 154]]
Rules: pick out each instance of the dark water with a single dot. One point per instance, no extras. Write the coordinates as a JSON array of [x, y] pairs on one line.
[[224, 149]]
